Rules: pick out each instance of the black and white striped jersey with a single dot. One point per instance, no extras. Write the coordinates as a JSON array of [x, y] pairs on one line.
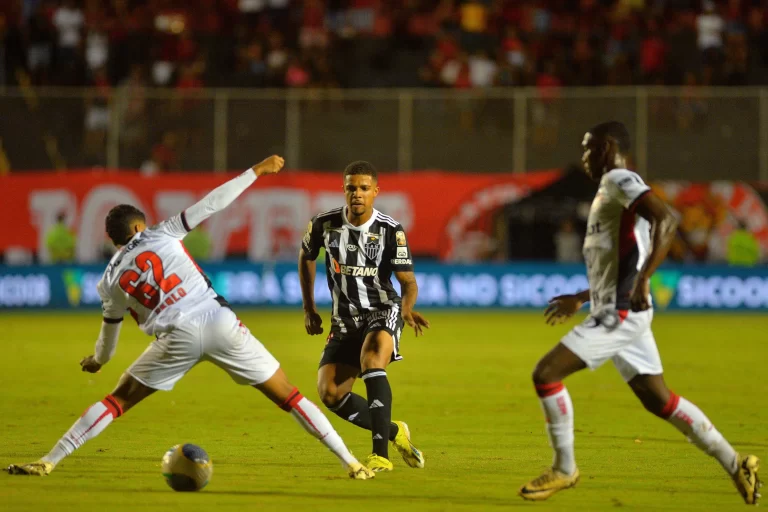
[[359, 261]]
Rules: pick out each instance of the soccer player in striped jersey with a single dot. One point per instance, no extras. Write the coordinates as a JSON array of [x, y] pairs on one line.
[[153, 278], [629, 232], [363, 248]]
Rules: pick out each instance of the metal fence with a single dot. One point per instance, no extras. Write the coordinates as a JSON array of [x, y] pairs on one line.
[[692, 134]]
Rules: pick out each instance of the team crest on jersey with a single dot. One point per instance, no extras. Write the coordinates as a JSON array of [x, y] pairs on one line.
[[372, 245]]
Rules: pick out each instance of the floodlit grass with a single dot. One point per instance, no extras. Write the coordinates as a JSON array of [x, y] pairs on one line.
[[464, 389]]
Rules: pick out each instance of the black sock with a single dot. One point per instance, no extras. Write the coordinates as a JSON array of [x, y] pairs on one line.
[[380, 408], [354, 409]]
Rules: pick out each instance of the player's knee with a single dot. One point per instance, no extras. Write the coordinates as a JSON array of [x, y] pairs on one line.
[[544, 373], [329, 394]]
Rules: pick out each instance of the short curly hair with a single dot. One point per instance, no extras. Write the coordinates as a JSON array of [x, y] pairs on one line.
[[361, 167], [617, 131], [119, 221]]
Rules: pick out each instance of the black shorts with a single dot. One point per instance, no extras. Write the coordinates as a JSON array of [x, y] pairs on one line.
[[345, 343]]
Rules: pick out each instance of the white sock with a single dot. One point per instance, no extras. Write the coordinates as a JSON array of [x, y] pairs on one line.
[[558, 409], [314, 421], [694, 424], [93, 421]]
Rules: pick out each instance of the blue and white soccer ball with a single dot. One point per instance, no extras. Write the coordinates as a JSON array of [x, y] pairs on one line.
[[186, 467]]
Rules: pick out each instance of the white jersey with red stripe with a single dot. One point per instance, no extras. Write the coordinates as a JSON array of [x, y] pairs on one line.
[[617, 241], [155, 279]]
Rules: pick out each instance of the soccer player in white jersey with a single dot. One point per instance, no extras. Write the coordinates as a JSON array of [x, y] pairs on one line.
[[152, 277], [629, 232]]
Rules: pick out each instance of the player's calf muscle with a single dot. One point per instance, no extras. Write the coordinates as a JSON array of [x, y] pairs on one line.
[[130, 392], [652, 392]]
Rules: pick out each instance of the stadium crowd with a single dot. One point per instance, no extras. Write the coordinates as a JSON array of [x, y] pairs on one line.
[[189, 44]]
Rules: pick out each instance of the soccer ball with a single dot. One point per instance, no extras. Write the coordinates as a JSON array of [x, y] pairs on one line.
[[186, 467]]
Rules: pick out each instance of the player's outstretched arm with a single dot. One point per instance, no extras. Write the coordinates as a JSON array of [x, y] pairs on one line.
[[313, 322], [410, 291], [223, 195], [663, 230]]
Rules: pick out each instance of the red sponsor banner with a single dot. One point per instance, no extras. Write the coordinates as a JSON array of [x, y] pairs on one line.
[[438, 209]]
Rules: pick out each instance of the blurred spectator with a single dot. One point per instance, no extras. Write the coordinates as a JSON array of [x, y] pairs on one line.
[[429, 74], [296, 74], [455, 72], [568, 243], [164, 155], [652, 54], [313, 32], [190, 80], [513, 48], [253, 66], [97, 117], [40, 40], [474, 25], [60, 241], [373, 43], [743, 247], [277, 59], [96, 39], [482, 70], [69, 22], [133, 130], [710, 27]]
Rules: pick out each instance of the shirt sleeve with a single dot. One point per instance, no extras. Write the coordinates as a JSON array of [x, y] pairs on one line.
[[113, 305], [107, 342], [629, 187], [312, 240], [219, 198], [399, 253]]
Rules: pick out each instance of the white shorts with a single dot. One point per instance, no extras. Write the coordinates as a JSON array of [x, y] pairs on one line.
[[216, 336], [630, 345]]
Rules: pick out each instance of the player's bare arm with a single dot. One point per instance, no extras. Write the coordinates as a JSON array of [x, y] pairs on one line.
[[410, 291], [313, 322], [663, 229], [563, 307]]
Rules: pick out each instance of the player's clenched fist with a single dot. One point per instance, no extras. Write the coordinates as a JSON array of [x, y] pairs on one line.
[[89, 364], [270, 165], [313, 322]]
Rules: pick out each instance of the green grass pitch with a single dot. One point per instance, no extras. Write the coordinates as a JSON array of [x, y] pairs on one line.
[[464, 389]]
